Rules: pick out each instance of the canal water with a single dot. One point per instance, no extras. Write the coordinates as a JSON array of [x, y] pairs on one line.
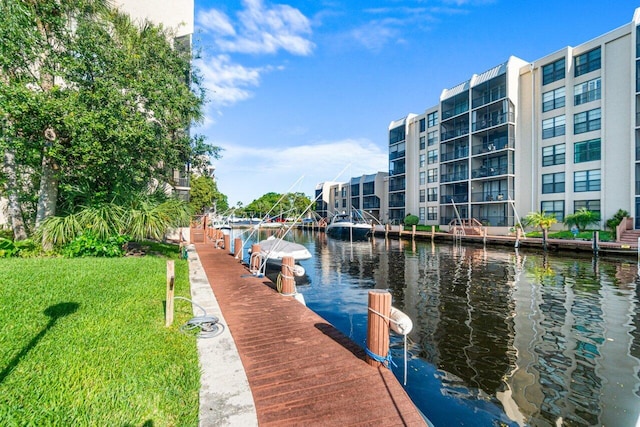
[[500, 336]]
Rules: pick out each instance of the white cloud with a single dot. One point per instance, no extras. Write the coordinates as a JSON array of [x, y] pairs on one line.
[[215, 22], [227, 82], [261, 28], [246, 173]]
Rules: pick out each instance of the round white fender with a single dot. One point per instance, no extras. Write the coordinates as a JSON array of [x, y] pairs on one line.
[[298, 270], [400, 322]]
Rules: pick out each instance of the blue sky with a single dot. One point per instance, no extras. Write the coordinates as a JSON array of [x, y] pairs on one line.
[[302, 92]]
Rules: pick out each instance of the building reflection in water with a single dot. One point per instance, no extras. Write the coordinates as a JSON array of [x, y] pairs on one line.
[[552, 340]]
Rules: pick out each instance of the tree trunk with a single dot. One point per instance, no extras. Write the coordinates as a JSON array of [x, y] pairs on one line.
[[48, 194], [15, 212]]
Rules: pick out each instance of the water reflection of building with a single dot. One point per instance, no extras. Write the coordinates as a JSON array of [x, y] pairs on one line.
[[551, 341]]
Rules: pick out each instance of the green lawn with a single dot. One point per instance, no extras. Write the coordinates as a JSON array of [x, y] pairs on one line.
[[83, 343]]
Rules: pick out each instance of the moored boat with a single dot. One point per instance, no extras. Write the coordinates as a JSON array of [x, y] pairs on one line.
[[344, 226]]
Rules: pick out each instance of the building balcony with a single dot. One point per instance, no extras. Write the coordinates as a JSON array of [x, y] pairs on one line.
[[457, 198], [494, 144], [458, 153], [489, 171], [456, 176], [494, 120], [491, 196], [455, 133]]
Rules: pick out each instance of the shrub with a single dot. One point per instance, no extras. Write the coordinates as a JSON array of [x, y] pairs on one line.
[[411, 220], [24, 248], [88, 244], [613, 222]]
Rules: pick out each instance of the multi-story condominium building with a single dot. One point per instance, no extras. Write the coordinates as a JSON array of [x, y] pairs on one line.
[[555, 135], [365, 193]]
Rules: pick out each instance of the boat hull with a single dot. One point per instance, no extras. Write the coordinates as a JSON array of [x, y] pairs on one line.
[[349, 232]]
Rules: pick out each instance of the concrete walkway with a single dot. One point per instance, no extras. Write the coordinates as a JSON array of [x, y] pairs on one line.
[[225, 396]]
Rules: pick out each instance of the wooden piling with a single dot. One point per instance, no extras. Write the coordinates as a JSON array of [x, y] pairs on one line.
[[413, 231], [287, 278], [227, 242], [255, 258], [378, 325], [237, 248], [171, 277]]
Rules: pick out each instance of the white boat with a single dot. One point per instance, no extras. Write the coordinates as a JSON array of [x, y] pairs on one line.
[[273, 249], [343, 226]]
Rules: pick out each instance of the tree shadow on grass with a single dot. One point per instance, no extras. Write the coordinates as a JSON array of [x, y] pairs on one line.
[[54, 312]]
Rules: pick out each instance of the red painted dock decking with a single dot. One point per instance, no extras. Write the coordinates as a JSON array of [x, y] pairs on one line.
[[301, 370]]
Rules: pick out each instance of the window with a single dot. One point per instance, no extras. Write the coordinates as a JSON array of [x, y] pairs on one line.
[[396, 151], [590, 205], [587, 62], [422, 196], [421, 210], [432, 175], [586, 181], [586, 121], [552, 127], [553, 72], [421, 164], [432, 137], [422, 181], [554, 155], [422, 142], [432, 119], [553, 99], [344, 191], [586, 151], [432, 157], [432, 213], [422, 125], [553, 183], [432, 194], [396, 135], [587, 92], [555, 207]]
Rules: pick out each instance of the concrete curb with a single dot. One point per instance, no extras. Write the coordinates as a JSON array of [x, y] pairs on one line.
[[225, 396]]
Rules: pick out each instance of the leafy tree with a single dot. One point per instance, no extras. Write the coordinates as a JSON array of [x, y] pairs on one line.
[[543, 221], [204, 193], [582, 218], [274, 204], [92, 110]]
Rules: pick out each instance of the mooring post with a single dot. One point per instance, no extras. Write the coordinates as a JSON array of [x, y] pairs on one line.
[[237, 248], [433, 232], [171, 277], [386, 231], [288, 280], [227, 242], [255, 258], [596, 242], [378, 327], [413, 231]]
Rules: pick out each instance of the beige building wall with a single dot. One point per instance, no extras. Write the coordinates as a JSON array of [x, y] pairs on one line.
[[176, 14]]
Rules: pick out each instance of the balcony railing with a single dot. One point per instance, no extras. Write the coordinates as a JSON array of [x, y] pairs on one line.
[[457, 198], [493, 121], [456, 176], [494, 145], [458, 153], [494, 94], [491, 196], [488, 171], [454, 133]]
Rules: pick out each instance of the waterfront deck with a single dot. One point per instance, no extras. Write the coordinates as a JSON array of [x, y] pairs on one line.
[[301, 370]]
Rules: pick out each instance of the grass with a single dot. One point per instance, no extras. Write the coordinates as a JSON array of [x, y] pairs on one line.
[[83, 343], [605, 236]]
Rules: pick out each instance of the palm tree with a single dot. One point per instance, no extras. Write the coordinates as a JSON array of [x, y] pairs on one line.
[[582, 218], [543, 221]]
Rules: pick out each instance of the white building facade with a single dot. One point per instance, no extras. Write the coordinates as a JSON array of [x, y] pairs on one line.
[[556, 135]]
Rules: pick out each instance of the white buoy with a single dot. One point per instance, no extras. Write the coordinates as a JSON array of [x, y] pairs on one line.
[[400, 322]]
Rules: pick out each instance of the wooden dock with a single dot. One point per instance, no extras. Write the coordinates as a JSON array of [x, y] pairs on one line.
[[301, 370]]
